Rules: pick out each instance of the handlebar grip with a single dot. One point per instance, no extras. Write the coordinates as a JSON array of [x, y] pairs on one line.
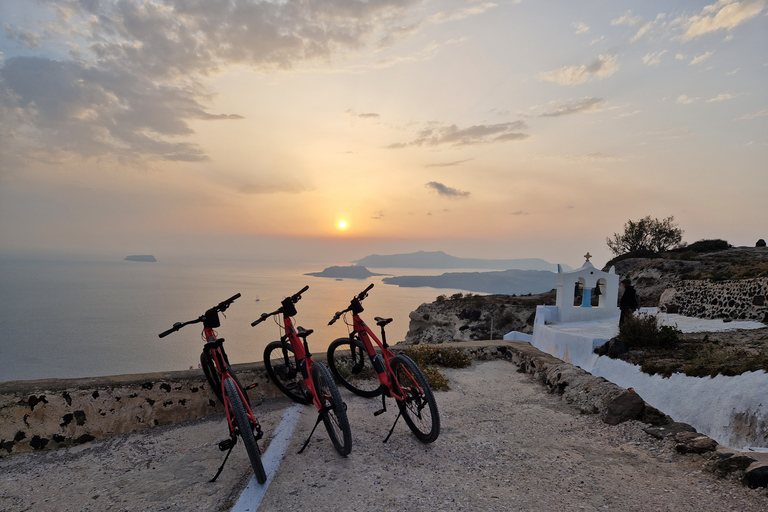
[[173, 329], [363, 294], [263, 317], [335, 317], [296, 296]]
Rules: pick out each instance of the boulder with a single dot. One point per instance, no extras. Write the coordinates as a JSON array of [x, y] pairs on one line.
[[724, 464], [627, 406], [692, 442], [756, 477]]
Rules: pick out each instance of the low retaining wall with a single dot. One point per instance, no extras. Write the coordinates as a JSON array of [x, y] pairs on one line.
[[53, 413], [743, 299]]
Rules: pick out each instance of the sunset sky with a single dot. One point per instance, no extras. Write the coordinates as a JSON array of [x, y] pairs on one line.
[[507, 129]]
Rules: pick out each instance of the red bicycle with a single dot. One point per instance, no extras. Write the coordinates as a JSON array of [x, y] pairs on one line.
[[224, 383], [356, 364], [290, 366]]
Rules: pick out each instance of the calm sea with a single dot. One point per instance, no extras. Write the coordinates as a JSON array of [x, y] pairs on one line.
[[78, 318]]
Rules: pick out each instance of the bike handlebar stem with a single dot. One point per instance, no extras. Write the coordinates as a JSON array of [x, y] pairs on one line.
[[287, 307], [220, 307]]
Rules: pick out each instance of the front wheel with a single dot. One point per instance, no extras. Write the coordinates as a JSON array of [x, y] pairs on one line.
[[349, 363], [281, 368], [334, 410], [419, 407], [245, 428]]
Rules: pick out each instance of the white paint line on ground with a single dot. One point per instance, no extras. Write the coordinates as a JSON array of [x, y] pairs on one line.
[[251, 497]]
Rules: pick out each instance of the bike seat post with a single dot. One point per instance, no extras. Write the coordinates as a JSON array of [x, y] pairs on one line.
[[384, 338]]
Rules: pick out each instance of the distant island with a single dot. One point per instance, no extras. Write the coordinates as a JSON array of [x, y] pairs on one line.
[[439, 259], [141, 257], [351, 272], [508, 282]]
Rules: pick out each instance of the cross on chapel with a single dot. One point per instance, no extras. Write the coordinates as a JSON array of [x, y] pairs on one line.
[[587, 256]]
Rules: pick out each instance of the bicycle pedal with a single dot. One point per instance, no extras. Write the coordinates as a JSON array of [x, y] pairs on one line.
[[380, 411], [226, 444]]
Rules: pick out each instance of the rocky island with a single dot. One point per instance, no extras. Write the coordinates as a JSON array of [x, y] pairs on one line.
[[350, 272], [141, 257], [505, 281]]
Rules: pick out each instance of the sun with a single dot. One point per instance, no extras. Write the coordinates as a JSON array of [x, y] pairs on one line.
[[342, 225]]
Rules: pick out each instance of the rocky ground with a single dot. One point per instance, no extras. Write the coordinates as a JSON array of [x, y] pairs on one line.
[[506, 444]]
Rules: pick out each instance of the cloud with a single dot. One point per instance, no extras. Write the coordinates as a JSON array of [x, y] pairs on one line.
[[722, 15], [131, 87], [721, 97], [574, 107], [602, 67], [700, 58], [753, 116], [520, 212], [445, 191], [581, 28], [449, 164], [477, 134], [653, 59], [368, 115], [685, 100], [627, 19]]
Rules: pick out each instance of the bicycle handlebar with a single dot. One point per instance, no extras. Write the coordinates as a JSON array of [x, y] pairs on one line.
[[359, 298], [296, 297], [220, 307]]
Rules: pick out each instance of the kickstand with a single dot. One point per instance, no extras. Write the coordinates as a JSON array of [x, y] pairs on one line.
[[319, 419], [393, 426], [221, 468]]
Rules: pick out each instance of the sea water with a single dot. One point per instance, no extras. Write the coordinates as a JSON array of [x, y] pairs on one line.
[[86, 318]]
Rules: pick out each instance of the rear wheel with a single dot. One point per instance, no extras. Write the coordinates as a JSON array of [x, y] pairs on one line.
[[281, 368], [419, 407], [349, 363], [334, 410], [245, 428]]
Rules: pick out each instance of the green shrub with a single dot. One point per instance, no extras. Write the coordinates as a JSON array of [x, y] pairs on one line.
[[436, 379], [435, 355], [644, 331]]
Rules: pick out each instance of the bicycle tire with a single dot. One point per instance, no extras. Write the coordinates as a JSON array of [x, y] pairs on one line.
[[334, 410], [419, 408], [286, 376], [349, 363], [245, 429], [212, 376]]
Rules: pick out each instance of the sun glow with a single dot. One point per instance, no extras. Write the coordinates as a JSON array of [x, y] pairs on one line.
[[342, 225]]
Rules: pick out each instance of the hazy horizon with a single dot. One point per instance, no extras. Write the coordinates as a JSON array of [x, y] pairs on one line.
[[325, 131]]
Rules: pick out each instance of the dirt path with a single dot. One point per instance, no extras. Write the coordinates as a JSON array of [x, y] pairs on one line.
[[505, 445]]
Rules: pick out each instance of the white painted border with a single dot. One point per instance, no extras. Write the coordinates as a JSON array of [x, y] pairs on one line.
[[251, 497]]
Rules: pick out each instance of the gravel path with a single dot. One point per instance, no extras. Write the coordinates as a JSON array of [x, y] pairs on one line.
[[505, 445]]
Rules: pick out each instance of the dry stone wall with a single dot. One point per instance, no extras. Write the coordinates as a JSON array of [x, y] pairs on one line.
[[743, 299], [52, 413]]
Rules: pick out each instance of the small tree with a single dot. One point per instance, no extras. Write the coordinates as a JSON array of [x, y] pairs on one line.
[[646, 234]]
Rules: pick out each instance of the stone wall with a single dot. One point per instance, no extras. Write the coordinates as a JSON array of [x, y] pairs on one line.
[[52, 413], [743, 299]]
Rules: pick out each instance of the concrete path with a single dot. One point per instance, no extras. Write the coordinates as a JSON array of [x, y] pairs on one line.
[[505, 445]]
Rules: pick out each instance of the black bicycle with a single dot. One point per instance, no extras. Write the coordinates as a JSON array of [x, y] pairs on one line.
[[227, 388]]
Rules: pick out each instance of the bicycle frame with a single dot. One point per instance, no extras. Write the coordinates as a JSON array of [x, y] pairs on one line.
[[383, 371], [218, 356], [302, 356]]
